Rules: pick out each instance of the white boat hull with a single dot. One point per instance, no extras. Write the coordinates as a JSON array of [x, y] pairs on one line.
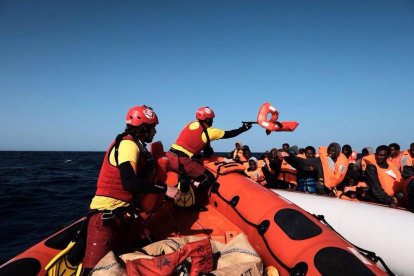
[[386, 231]]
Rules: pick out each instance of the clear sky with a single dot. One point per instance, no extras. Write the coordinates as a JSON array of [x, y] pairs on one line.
[[69, 70]]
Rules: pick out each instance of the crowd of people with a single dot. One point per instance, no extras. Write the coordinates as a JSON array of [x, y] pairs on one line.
[[133, 178], [385, 176]]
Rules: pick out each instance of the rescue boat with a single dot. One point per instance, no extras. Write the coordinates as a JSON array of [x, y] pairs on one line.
[[288, 239], [375, 227]]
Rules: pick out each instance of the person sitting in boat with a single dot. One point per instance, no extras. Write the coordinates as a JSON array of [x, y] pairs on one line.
[[285, 146], [306, 178], [287, 178], [408, 188], [237, 153], [353, 188], [408, 176], [347, 151], [124, 180], [246, 156], [382, 177], [396, 155], [271, 169], [331, 166], [255, 172], [360, 164], [193, 140]]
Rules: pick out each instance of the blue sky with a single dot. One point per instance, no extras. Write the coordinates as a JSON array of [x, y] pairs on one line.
[[69, 70]]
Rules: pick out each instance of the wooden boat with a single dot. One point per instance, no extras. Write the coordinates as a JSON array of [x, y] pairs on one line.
[[285, 236], [378, 228]]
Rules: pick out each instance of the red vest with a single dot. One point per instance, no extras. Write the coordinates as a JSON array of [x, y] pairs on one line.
[[190, 139], [109, 180]]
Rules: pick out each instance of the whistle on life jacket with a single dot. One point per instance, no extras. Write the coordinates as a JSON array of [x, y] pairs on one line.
[[272, 124]]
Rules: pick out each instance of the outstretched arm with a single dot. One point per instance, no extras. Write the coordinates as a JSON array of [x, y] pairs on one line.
[[234, 132]]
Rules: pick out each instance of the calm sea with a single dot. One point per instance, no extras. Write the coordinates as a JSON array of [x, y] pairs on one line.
[[40, 192]]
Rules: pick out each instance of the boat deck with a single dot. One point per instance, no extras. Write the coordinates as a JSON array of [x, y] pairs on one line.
[[177, 222]]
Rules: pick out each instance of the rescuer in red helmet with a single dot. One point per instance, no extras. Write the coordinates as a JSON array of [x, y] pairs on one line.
[[125, 182], [194, 139]]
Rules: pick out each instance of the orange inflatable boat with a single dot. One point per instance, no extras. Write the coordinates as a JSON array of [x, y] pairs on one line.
[[285, 236]]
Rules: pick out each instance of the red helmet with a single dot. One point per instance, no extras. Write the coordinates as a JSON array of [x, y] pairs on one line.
[[141, 114], [204, 113]]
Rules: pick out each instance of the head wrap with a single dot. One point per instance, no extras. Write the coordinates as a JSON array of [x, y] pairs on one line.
[[254, 159]]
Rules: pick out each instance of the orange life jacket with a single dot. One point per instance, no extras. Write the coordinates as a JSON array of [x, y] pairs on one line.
[[200, 253], [222, 166], [272, 124], [390, 178], [397, 160], [149, 202], [333, 173], [287, 173]]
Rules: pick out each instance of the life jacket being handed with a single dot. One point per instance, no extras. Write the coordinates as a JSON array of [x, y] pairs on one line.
[[287, 173], [190, 138], [390, 178], [272, 124], [333, 172]]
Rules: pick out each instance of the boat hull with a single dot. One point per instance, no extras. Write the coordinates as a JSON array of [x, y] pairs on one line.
[[386, 231]]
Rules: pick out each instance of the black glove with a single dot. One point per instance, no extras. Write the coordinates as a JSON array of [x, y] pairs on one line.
[[245, 127]]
